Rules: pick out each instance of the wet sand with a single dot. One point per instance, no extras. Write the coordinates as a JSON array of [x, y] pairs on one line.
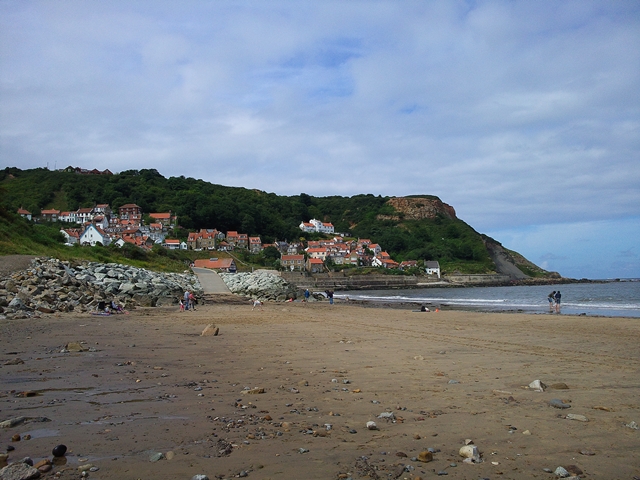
[[150, 383]]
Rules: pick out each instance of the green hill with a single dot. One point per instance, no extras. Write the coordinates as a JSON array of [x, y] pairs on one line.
[[419, 227]]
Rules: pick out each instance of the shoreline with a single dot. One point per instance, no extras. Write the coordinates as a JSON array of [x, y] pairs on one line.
[[287, 392]]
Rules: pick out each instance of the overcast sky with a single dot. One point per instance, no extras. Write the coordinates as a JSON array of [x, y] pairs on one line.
[[524, 116]]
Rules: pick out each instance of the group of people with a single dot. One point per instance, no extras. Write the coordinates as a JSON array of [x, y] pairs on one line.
[[109, 307], [188, 302], [554, 301]]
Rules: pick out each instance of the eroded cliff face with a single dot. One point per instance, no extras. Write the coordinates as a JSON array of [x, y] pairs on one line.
[[418, 209]]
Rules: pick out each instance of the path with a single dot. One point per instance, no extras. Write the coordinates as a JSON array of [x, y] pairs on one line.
[[211, 282]]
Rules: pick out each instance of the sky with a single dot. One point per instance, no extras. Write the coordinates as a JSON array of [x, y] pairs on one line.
[[524, 116]]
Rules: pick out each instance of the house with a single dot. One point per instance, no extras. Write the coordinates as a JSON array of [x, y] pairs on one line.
[[314, 225], [94, 235], [255, 244], [171, 244], [232, 238], [84, 215], [432, 267], [163, 218], [69, 217], [320, 252], [101, 221], [315, 265], [243, 240], [408, 264], [24, 213], [142, 241], [103, 209], [307, 227], [292, 262], [221, 264], [375, 248], [71, 235], [384, 262], [132, 212], [50, 215]]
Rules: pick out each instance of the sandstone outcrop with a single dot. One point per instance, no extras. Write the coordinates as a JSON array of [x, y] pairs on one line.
[[418, 208]]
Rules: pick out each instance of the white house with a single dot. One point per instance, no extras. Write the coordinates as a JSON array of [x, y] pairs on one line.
[[94, 235], [316, 226], [432, 268]]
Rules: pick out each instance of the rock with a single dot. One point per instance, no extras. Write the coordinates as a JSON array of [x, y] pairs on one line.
[[19, 471], [579, 418], [42, 463], [85, 468], [425, 456], [371, 426], [170, 455], [210, 330], [632, 425], [387, 416], [573, 470], [537, 386], [3, 459], [200, 477], [17, 304], [16, 438], [253, 391], [561, 472], [75, 347], [59, 450], [558, 403], [14, 361], [470, 452], [156, 456]]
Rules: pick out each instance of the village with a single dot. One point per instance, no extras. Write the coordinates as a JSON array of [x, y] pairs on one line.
[[102, 226]]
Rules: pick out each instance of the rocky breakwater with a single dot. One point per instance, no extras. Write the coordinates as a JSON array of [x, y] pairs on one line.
[[260, 285], [51, 286]]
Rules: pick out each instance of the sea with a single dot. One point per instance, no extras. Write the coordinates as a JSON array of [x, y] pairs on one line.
[[620, 298]]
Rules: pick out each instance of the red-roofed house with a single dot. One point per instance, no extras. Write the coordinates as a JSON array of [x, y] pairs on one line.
[[221, 264], [163, 218], [24, 213], [255, 244], [50, 215], [292, 262], [71, 235], [315, 265]]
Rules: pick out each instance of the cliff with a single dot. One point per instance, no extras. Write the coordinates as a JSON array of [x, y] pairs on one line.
[[418, 208]]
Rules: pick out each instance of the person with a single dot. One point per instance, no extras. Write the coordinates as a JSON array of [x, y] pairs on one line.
[[551, 298], [557, 297], [306, 295], [256, 303], [186, 300], [192, 301], [102, 307], [181, 305], [115, 307], [330, 295], [423, 308]]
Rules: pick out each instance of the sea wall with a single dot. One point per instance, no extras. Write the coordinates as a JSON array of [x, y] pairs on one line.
[[262, 285], [51, 285]]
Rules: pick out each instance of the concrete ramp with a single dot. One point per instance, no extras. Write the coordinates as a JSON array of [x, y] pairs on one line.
[[211, 282]]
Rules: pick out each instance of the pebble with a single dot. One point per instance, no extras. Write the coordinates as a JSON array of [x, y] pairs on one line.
[[20, 470], [200, 477], [558, 403], [579, 418], [443, 472], [156, 456], [371, 426], [303, 450], [453, 382], [561, 472], [425, 456], [59, 450]]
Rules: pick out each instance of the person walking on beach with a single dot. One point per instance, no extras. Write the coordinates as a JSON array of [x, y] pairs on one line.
[[256, 303], [306, 295], [186, 300], [192, 301], [551, 298], [558, 296], [330, 296]]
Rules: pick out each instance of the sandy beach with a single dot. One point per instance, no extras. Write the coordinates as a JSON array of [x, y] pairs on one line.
[[287, 392]]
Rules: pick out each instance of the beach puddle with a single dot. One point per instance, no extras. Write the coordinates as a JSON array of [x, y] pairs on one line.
[[42, 433]]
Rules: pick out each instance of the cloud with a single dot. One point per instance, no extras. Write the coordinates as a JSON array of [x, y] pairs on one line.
[[516, 113]]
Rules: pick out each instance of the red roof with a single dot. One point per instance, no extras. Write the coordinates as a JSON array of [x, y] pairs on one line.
[[22, 211], [158, 216], [224, 263]]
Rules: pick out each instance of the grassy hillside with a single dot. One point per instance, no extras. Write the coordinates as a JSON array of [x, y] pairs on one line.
[[199, 204]]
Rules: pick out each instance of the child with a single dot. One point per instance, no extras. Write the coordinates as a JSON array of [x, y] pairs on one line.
[[256, 303], [181, 305]]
